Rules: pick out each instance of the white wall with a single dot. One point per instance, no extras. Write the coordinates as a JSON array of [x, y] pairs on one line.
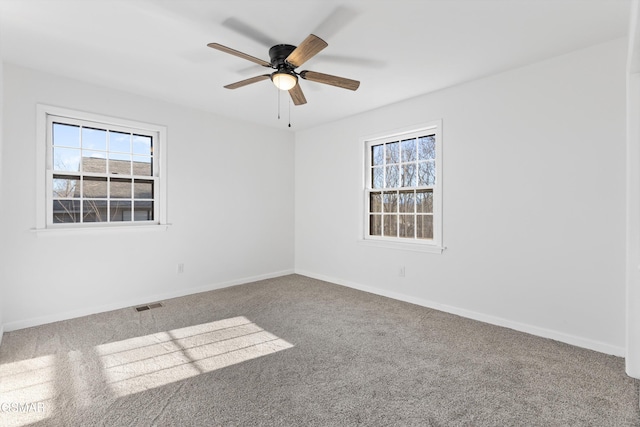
[[633, 195], [230, 202], [534, 200], [2, 239]]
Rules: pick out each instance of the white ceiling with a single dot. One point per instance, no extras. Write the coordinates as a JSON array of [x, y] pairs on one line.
[[397, 49]]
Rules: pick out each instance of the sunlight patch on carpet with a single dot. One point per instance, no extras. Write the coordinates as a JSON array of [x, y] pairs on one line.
[[26, 388], [142, 363]]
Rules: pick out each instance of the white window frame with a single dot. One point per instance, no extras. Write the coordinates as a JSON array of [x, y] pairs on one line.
[[46, 114], [434, 245]]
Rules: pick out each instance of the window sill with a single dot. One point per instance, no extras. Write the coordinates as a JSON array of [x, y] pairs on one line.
[[76, 231], [414, 247]]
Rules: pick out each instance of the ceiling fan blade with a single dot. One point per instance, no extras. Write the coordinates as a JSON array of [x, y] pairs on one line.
[[297, 96], [330, 80], [248, 31], [306, 50], [338, 19], [239, 54], [241, 83]]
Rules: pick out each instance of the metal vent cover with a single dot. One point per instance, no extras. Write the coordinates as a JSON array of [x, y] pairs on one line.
[[149, 306]]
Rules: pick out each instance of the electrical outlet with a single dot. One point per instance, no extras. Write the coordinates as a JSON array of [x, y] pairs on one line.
[[401, 271], [180, 268]]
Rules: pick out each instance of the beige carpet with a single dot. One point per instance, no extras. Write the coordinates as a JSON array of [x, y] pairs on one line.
[[298, 351]]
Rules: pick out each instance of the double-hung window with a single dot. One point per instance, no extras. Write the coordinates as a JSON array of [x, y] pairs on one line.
[[403, 191], [101, 171]]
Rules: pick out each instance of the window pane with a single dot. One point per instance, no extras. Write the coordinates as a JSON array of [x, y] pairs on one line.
[[94, 161], [94, 139], [375, 225], [142, 144], [393, 178], [93, 170], [407, 226], [390, 225], [94, 210], [120, 163], [426, 173], [120, 188], [65, 211], [142, 166], [424, 201], [143, 211], [66, 135], [409, 150], [143, 189], [375, 202], [424, 226], [409, 175], [390, 202], [406, 202], [94, 187], [427, 147], [120, 210], [66, 159], [393, 152], [119, 141], [377, 155], [377, 178], [66, 187], [402, 184]]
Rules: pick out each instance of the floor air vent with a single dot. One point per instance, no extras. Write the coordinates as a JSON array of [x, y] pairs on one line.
[[149, 307]]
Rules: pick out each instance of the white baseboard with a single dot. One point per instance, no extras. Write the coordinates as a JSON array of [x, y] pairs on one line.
[[27, 323], [482, 317]]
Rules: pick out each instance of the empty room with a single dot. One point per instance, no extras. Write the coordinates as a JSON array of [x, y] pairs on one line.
[[319, 213]]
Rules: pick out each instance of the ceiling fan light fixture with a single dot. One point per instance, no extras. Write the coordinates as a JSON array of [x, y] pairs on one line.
[[284, 80]]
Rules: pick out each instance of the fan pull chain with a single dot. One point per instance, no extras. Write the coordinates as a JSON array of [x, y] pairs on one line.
[[289, 111], [278, 92]]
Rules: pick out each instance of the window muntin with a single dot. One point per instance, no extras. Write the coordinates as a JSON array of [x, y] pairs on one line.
[[100, 173], [403, 188]]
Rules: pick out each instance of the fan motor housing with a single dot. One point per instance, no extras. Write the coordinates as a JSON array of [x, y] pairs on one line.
[[279, 54]]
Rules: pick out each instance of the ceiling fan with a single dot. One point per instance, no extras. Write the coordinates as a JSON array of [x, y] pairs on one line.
[[285, 59]]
